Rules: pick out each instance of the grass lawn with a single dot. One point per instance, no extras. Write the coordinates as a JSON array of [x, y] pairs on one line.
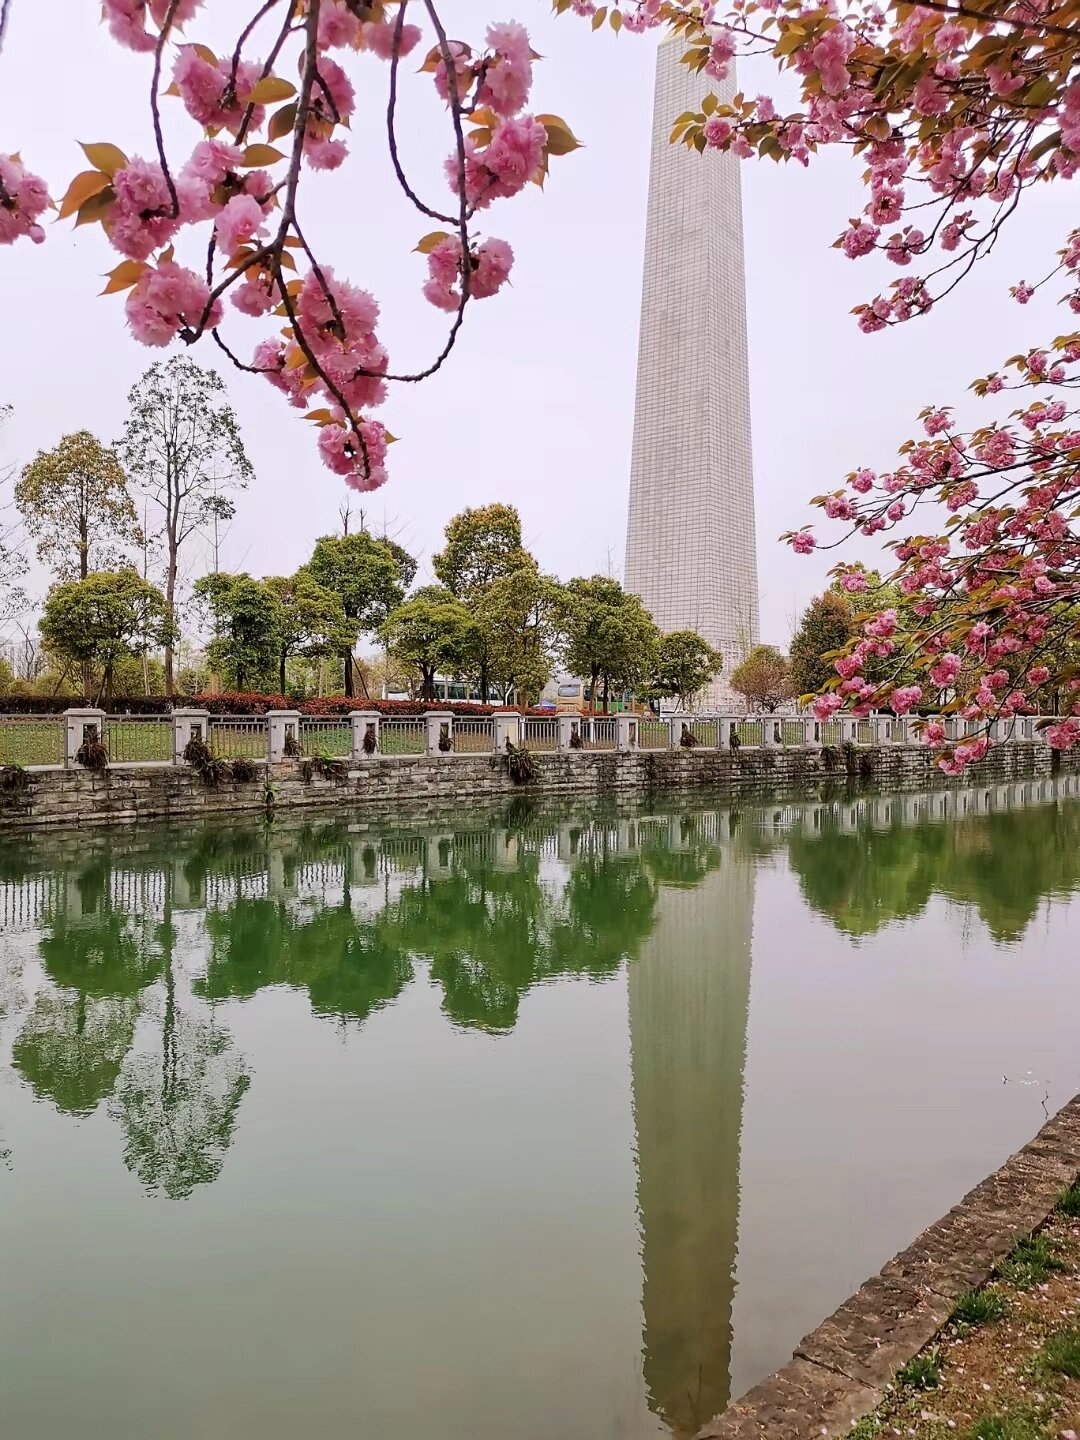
[[1007, 1366]]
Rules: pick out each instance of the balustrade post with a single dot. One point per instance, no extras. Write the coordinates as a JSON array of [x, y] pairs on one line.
[[282, 735], [365, 734], [725, 728], [508, 727], [881, 730], [77, 724], [439, 729], [189, 725], [569, 731], [768, 731], [677, 724], [626, 732]]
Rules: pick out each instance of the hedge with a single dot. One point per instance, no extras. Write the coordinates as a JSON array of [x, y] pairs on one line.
[[245, 702]]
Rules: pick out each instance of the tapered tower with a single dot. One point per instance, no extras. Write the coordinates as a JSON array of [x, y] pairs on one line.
[[690, 546]]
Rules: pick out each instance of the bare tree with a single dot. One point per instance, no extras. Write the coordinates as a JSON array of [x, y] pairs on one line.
[[182, 445]]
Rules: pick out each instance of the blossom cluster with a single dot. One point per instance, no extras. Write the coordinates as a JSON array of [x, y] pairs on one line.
[[327, 358]]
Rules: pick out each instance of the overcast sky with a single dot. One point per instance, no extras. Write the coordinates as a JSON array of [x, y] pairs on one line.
[[536, 406]]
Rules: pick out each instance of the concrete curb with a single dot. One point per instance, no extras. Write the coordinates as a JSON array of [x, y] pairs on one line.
[[839, 1372]]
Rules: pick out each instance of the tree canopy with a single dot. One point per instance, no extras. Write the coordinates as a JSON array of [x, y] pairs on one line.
[[431, 631], [685, 663], [75, 501], [247, 621], [182, 444], [609, 635], [311, 620], [97, 621], [763, 679], [366, 574]]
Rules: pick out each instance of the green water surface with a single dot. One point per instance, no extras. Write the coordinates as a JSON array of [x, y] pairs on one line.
[[538, 1124]]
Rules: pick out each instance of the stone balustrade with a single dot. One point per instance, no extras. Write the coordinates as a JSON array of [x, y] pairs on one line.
[[363, 736]]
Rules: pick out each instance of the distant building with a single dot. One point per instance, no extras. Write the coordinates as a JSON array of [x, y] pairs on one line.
[[690, 545]]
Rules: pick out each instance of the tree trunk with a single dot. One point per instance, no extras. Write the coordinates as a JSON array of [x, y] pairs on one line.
[[348, 673], [170, 606], [594, 677], [281, 673], [427, 687], [605, 694], [84, 571], [483, 682]]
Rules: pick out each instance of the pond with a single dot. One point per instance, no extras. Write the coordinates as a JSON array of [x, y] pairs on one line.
[[525, 1124]]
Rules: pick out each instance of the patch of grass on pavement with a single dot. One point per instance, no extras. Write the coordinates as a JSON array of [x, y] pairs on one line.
[[922, 1372], [1032, 1262], [1005, 1427], [1069, 1203], [1061, 1353], [868, 1428], [978, 1307]]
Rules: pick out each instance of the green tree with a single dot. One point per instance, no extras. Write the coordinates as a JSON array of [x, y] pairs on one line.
[[182, 444], [685, 663], [366, 574], [827, 624], [763, 679], [609, 635], [481, 546], [311, 620], [431, 632], [96, 622], [516, 626], [247, 620], [75, 502]]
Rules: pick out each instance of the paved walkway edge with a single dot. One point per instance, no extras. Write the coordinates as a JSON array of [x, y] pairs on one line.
[[839, 1372]]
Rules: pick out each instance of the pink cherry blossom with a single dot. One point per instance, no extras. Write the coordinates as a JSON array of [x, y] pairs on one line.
[[946, 670], [718, 132], [825, 706], [721, 54], [508, 77], [23, 198], [239, 223], [860, 239], [205, 89], [141, 220], [379, 38], [166, 298], [1064, 735], [127, 19], [905, 697], [803, 543]]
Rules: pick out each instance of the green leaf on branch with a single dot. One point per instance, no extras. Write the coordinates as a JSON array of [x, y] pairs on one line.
[[281, 122], [85, 185], [269, 89], [561, 139], [256, 156], [105, 157], [428, 243], [124, 276]]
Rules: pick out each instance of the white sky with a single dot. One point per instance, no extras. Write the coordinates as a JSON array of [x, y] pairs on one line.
[[536, 406]]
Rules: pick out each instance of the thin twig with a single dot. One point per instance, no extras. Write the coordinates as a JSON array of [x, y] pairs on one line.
[[155, 111]]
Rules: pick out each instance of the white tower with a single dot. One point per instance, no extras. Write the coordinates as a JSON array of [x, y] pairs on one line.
[[690, 544]]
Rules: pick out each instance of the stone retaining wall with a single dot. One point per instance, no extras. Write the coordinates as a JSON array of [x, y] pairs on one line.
[[841, 1370], [123, 794]]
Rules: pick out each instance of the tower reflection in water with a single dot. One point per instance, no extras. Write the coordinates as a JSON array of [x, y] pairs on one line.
[[689, 991]]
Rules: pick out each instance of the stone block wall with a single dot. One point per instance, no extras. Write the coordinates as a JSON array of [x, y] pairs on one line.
[[77, 798]]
